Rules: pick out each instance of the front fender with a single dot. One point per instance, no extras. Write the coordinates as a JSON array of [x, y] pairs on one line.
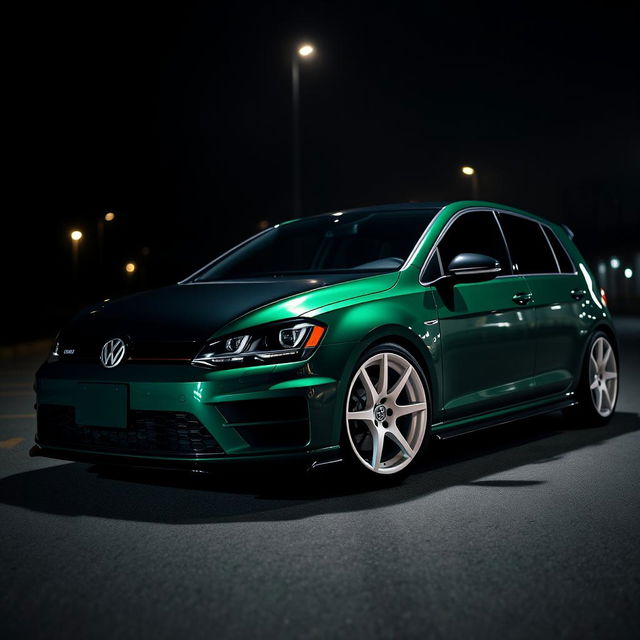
[[408, 320]]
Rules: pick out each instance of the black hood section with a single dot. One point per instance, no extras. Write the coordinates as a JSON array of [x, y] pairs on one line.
[[182, 313]]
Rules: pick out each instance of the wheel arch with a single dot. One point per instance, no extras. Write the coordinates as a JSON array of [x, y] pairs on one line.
[[608, 330], [408, 340]]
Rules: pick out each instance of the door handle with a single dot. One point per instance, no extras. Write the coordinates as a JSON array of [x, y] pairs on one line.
[[578, 294], [522, 298]]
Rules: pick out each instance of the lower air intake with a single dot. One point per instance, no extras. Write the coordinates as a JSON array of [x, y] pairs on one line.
[[158, 433]]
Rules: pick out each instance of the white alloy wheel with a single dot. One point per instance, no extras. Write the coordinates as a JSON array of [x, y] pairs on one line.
[[386, 413], [603, 376]]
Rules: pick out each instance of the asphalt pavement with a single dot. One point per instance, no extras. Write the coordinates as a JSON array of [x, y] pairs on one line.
[[529, 530]]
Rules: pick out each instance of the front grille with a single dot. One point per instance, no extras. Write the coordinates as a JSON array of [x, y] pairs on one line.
[[269, 423], [157, 433], [87, 350]]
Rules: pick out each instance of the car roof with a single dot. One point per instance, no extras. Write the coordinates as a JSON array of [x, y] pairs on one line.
[[383, 208], [451, 206], [402, 206]]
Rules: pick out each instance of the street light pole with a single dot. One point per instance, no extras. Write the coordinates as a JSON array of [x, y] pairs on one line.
[[304, 51], [75, 236], [108, 217], [473, 174], [295, 87]]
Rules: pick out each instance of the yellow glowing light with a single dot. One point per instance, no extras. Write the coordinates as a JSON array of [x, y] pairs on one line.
[[468, 171], [76, 235], [130, 267], [306, 50], [109, 216]]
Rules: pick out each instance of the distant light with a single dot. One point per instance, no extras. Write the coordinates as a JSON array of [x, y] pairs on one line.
[[628, 273], [76, 235], [130, 267], [602, 268], [615, 263], [263, 224], [306, 50], [109, 216], [468, 171]]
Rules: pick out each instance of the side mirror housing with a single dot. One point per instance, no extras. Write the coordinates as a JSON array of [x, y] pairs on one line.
[[473, 267]]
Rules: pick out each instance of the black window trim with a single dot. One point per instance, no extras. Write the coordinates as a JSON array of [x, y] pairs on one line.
[[496, 212]]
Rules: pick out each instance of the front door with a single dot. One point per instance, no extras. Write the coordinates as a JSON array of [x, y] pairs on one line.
[[487, 328]]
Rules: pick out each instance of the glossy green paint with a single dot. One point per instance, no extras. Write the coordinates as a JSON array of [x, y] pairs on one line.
[[483, 354]]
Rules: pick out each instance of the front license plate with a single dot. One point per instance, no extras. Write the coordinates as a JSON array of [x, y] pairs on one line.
[[102, 405]]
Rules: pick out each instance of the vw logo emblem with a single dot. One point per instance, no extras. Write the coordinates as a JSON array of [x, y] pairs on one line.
[[380, 413], [112, 353]]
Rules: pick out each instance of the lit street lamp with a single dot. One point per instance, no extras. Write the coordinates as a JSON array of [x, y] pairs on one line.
[[108, 217], [304, 51], [473, 174], [130, 268], [75, 236]]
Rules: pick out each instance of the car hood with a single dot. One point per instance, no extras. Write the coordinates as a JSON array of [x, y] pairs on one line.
[[192, 313]]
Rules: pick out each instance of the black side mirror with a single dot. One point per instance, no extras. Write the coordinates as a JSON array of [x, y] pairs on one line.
[[473, 267]]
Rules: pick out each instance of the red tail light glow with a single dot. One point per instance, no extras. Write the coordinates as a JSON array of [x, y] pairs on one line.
[[603, 295]]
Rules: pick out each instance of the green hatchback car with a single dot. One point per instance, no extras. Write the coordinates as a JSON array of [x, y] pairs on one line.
[[351, 336]]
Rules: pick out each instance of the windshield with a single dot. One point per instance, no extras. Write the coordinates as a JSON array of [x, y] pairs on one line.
[[349, 243]]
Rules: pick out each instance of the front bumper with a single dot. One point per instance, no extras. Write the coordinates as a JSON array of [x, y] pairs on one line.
[[182, 416]]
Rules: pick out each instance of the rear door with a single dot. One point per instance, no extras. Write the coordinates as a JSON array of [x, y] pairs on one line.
[[487, 328], [557, 297]]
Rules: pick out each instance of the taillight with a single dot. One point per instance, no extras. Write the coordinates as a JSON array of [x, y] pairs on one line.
[[603, 295]]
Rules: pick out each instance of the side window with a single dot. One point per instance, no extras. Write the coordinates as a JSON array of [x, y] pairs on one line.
[[474, 232], [530, 251], [433, 270], [564, 261]]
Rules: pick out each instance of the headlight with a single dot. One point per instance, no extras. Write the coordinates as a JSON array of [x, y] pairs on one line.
[[271, 344]]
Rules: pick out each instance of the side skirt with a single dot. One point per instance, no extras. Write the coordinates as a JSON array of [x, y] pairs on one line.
[[445, 433]]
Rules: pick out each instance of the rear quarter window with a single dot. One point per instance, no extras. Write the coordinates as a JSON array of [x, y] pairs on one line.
[[564, 261]]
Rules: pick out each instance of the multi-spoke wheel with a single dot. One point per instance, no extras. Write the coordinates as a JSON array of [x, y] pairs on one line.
[[603, 374], [387, 411], [598, 389]]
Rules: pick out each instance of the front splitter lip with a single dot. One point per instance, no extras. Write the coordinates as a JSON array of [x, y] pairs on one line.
[[313, 456]]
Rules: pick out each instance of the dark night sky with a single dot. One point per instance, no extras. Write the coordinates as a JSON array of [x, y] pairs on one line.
[[177, 117]]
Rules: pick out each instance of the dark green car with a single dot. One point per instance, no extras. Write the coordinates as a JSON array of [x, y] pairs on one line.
[[349, 336]]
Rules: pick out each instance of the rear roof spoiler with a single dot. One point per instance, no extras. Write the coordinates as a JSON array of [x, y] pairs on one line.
[[569, 232]]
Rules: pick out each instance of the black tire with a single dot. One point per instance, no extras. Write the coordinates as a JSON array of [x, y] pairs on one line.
[[586, 414], [356, 463]]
